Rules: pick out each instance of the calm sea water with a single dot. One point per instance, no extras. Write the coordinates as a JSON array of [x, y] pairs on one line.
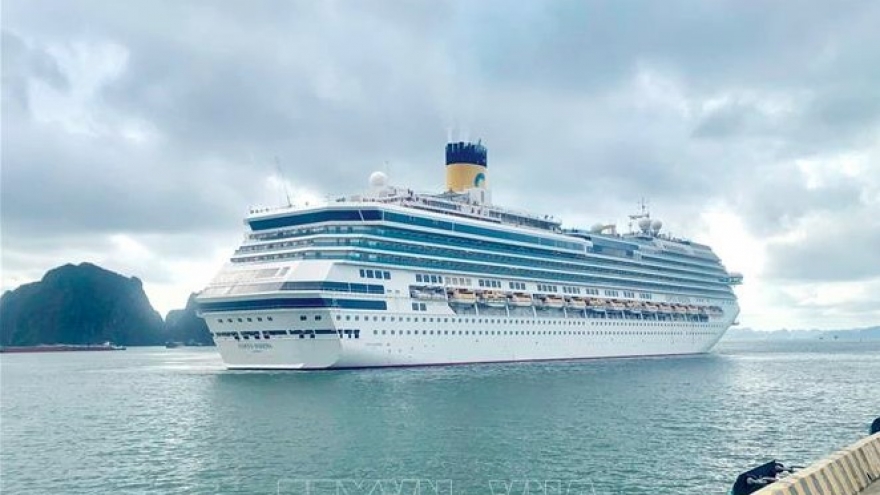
[[173, 421]]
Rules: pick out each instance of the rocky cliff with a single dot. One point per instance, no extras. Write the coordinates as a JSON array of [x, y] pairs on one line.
[[182, 325], [80, 304]]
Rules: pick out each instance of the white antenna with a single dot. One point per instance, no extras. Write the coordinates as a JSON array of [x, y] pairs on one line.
[[643, 213], [283, 181]]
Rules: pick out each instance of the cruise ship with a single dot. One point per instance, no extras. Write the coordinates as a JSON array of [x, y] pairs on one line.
[[393, 277]]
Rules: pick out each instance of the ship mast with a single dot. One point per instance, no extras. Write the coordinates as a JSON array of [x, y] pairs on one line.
[[644, 212]]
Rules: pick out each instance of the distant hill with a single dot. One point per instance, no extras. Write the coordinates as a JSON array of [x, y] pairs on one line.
[[80, 304], [849, 335], [182, 325]]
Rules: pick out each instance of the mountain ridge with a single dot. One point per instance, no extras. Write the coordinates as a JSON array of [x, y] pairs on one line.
[[844, 334], [88, 304]]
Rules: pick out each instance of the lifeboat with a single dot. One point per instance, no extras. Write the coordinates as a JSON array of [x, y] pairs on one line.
[[520, 300], [665, 308], [650, 308], [462, 297], [634, 307], [575, 303], [617, 305], [693, 310], [493, 300], [596, 305], [552, 302]]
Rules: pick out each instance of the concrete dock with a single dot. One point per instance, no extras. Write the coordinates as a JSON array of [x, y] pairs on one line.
[[854, 470], [874, 489]]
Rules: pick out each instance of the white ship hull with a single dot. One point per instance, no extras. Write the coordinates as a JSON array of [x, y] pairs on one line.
[[481, 340], [399, 278]]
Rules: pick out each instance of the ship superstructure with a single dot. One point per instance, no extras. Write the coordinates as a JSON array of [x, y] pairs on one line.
[[399, 278]]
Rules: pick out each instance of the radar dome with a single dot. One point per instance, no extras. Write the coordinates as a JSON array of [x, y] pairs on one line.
[[656, 225], [378, 180], [645, 224], [597, 228]]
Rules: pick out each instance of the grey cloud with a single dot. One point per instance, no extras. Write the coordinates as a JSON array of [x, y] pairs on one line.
[[569, 44], [20, 63], [335, 90], [778, 198], [840, 252], [724, 122], [218, 92], [841, 118], [102, 185]]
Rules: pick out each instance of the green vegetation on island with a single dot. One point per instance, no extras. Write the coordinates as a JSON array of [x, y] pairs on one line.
[[86, 304], [184, 326]]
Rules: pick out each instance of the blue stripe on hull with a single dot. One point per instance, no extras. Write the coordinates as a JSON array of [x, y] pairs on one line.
[[284, 303]]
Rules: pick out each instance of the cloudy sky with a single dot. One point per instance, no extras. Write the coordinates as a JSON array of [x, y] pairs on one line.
[[136, 134]]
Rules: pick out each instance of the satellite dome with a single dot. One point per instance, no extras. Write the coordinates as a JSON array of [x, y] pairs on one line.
[[597, 228], [378, 180], [645, 224], [656, 225]]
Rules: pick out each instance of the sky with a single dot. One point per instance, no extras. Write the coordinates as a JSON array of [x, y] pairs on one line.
[[136, 135]]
